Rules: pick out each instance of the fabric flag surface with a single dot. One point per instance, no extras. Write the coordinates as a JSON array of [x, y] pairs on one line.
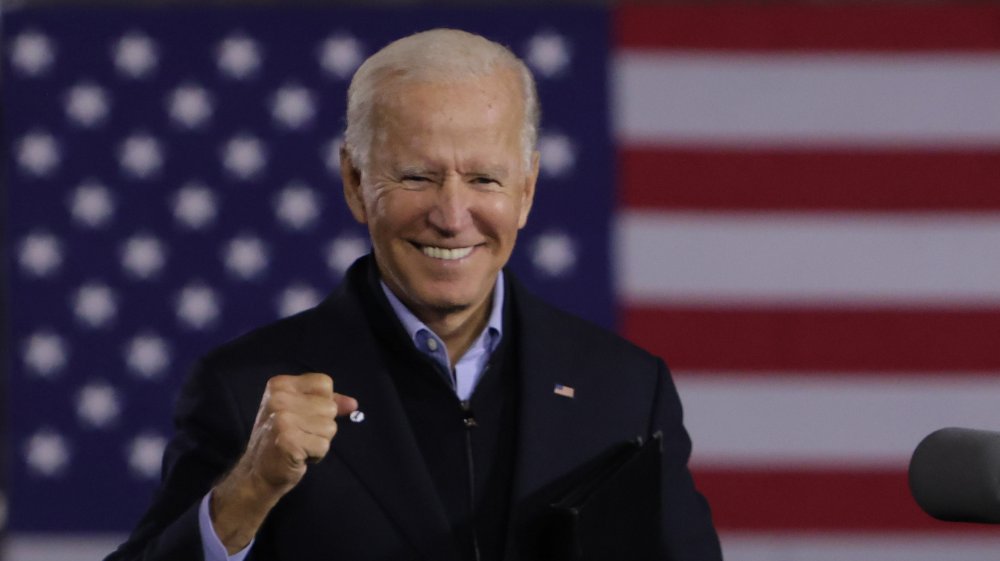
[[809, 232], [173, 180], [807, 229]]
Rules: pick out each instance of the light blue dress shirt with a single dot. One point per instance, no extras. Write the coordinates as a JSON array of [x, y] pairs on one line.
[[464, 378], [470, 367]]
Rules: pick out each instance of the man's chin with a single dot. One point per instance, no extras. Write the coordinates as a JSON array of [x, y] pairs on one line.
[[442, 305], [442, 297], [445, 306]]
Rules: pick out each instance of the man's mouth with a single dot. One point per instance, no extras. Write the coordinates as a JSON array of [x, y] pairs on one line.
[[447, 254]]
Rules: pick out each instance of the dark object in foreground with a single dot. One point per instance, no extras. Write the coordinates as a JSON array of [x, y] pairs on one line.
[[613, 510], [955, 475]]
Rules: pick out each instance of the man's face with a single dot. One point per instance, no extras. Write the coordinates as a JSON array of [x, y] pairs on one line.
[[446, 189]]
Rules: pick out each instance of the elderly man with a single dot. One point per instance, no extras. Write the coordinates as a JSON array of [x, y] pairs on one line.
[[460, 399]]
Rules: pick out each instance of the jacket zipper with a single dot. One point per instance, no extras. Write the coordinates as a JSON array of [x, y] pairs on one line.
[[469, 420]]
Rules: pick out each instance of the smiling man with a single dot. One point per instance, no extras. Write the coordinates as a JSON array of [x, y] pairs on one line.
[[470, 401], [444, 185]]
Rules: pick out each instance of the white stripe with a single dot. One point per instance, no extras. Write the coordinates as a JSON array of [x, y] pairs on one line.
[[789, 258], [678, 97], [736, 546], [898, 546], [828, 420], [59, 547]]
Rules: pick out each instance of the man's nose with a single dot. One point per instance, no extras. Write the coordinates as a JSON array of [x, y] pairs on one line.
[[451, 212]]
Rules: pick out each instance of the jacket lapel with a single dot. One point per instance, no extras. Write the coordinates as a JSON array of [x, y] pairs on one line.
[[564, 427], [545, 420], [550, 426], [548, 422], [381, 451]]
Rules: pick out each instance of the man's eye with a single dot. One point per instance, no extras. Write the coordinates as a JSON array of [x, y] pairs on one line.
[[485, 181], [415, 178]]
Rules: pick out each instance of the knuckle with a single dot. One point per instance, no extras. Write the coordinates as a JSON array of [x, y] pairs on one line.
[[284, 442], [327, 428], [283, 420], [317, 448], [279, 401], [278, 383], [319, 382], [322, 447], [322, 409]]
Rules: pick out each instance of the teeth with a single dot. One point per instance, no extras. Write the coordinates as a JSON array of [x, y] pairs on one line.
[[445, 253]]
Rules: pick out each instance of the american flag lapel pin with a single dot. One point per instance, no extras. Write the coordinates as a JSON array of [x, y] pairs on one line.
[[564, 391]]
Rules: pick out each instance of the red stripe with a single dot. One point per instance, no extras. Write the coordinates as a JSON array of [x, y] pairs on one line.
[[900, 27], [820, 180], [817, 501], [842, 340]]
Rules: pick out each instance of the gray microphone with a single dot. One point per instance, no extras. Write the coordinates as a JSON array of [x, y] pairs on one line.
[[955, 475]]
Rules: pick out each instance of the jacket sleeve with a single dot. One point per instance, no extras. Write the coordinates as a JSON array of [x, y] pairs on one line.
[[689, 533], [210, 435]]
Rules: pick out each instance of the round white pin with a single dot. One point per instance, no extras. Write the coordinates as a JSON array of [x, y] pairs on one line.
[[357, 416]]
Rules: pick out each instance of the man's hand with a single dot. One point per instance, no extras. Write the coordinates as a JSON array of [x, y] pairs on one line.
[[295, 424]]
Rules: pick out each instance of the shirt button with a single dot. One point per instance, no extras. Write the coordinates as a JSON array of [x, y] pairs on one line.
[[432, 344]]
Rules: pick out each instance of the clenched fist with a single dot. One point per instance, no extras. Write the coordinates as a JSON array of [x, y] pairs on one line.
[[295, 423], [294, 426]]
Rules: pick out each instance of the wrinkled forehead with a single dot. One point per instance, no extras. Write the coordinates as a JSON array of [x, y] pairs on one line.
[[498, 87], [492, 103]]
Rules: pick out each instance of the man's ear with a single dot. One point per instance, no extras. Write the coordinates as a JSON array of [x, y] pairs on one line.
[[528, 193], [350, 175]]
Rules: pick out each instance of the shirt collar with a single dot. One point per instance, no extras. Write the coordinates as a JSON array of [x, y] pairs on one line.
[[490, 337]]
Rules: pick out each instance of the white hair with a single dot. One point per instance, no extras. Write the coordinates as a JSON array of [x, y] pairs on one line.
[[437, 54]]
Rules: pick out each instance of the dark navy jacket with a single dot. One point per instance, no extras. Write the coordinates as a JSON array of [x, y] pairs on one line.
[[373, 497]]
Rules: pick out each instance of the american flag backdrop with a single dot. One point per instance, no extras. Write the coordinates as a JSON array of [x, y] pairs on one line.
[[796, 207], [173, 180], [809, 233]]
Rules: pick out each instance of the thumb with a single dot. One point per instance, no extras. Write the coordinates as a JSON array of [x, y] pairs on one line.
[[345, 404]]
